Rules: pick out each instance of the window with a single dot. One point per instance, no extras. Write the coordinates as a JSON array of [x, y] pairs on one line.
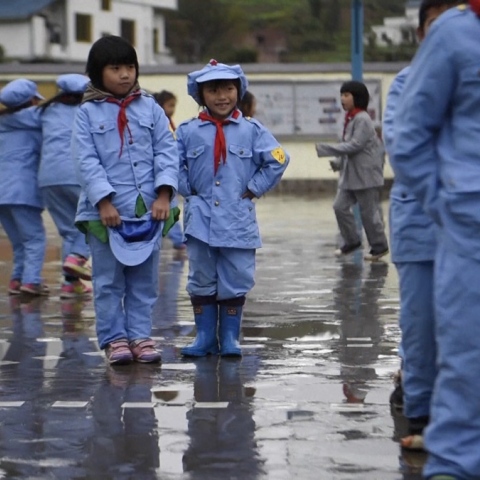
[[83, 28], [155, 41], [106, 5], [127, 30]]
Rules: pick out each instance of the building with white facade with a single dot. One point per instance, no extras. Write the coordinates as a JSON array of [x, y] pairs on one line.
[[64, 30], [398, 30]]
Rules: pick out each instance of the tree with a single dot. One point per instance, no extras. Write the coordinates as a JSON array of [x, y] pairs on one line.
[[202, 30]]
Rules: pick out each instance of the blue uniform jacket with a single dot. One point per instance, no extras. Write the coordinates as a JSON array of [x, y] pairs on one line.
[[214, 212], [412, 231], [151, 160], [20, 144], [56, 164], [436, 152]]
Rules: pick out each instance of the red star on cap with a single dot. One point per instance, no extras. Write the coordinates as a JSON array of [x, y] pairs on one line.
[[213, 62]]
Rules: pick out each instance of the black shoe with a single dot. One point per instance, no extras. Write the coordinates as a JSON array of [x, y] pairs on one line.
[[396, 397], [346, 249], [375, 255]]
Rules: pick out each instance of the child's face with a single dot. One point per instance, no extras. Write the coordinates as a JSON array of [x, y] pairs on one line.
[[348, 103], [169, 107], [431, 15], [220, 98], [119, 79]]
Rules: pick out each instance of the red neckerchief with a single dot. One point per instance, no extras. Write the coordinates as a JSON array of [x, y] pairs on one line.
[[220, 150], [475, 6], [122, 114], [348, 118]]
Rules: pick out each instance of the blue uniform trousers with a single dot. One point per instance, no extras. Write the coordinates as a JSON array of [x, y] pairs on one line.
[[175, 234], [61, 201], [417, 323], [26, 232], [224, 272], [124, 296], [453, 436]]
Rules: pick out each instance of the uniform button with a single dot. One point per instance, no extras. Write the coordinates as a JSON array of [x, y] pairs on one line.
[[135, 164], [217, 183], [139, 187], [217, 203], [250, 208], [151, 125], [241, 152], [130, 142], [404, 195], [101, 127]]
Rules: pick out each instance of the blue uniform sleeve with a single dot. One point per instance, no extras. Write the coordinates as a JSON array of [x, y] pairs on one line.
[[393, 96], [90, 173], [273, 161], [165, 152], [422, 110]]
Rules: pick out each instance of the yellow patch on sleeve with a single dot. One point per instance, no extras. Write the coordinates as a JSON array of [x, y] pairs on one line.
[[279, 155]]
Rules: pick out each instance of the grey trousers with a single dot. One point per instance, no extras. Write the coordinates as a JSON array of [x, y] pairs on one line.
[[368, 201]]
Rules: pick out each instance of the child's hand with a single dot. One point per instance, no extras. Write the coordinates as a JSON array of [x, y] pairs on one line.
[[248, 194], [161, 207], [108, 213]]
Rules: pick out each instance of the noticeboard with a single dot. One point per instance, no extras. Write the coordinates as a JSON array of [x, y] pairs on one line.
[[307, 109]]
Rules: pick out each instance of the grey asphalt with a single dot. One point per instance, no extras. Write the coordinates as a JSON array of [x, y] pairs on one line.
[[308, 400]]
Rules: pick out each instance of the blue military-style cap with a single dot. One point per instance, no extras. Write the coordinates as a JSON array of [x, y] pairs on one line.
[[215, 71], [18, 92], [72, 83], [135, 239]]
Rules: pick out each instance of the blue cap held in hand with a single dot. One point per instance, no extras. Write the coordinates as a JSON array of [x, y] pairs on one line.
[[135, 239]]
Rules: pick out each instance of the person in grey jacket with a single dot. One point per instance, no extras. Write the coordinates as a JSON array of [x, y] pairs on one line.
[[361, 175]]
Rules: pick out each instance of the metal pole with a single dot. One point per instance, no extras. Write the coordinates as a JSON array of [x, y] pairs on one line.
[[357, 70], [357, 40]]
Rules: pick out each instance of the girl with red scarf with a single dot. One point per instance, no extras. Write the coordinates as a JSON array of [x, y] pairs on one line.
[[361, 175]]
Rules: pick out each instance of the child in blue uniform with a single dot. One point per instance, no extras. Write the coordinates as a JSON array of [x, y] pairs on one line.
[[58, 182], [413, 245], [436, 156], [226, 161], [127, 164], [21, 204]]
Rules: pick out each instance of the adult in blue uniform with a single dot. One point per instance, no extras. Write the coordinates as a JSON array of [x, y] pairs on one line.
[[21, 204], [226, 161], [436, 156], [413, 245]]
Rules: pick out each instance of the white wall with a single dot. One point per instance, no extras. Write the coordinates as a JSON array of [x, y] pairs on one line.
[[16, 39]]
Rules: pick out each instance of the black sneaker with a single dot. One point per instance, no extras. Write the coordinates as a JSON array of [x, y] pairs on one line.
[[346, 249], [375, 255]]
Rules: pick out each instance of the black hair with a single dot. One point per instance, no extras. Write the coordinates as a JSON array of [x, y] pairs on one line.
[[7, 110], [163, 97], [426, 5], [246, 104], [359, 92], [109, 50], [63, 97], [217, 84]]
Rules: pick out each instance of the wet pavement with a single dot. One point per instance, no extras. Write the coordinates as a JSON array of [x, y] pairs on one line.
[[308, 400]]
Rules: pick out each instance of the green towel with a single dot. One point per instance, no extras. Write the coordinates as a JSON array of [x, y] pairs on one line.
[[98, 230]]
